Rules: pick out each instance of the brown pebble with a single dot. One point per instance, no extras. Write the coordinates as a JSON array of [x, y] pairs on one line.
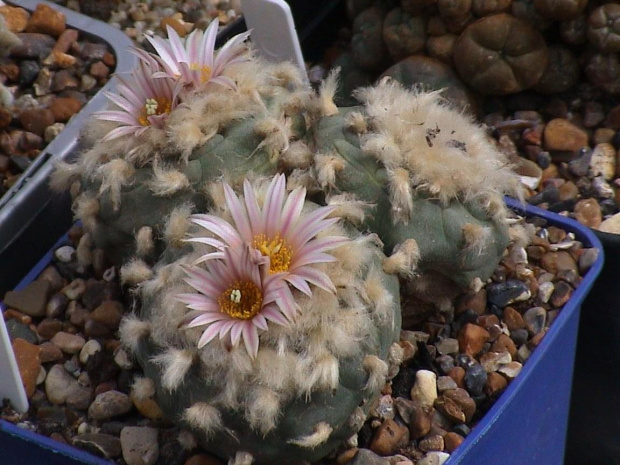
[[458, 375], [449, 409], [16, 18], [206, 459], [561, 294], [588, 213], [49, 327], [495, 384], [463, 400], [513, 319], [561, 134], [452, 441], [94, 329], [5, 117], [46, 20], [503, 343], [99, 70], [432, 442], [109, 314], [36, 120], [66, 40], [555, 262], [28, 363], [476, 301], [64, 108], [174, 24], [64, 80], [19, 316], [50, 352], [472, 338], [30, 300], [388, 437]]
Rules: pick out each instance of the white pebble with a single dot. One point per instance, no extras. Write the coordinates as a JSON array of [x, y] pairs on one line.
[[424, 389], [65, 253], [90, 348]]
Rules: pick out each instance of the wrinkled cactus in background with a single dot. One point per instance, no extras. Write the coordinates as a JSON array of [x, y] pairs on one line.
[[324, 352], [279, 365]]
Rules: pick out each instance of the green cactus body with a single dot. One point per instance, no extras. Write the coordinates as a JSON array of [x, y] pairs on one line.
[[313, 417], [437, 228]]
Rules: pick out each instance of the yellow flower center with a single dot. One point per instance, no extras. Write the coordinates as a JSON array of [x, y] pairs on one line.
[[277, 250], [153, 106], [205, 71], [243, 300]]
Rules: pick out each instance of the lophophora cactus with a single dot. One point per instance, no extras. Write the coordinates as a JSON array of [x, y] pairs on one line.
[[496, 47], [268, 321]]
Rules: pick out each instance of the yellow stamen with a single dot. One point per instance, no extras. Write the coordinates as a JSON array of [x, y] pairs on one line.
[[277, 250], [154, 106], [205, 71], [243, 300]]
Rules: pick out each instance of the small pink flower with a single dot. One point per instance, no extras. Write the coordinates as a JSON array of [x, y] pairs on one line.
[[143, 101], [234, 298], [278, 233], [195, 62]]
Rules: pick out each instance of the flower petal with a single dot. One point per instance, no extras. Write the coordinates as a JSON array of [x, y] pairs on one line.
[[250, 339]]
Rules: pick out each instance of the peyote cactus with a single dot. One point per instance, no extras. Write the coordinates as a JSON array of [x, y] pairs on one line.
[[268, 322], [324, 352]]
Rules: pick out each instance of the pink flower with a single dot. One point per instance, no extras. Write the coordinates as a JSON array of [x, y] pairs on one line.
[[196, 62], [278, 233], [234, 298], [143, 102]]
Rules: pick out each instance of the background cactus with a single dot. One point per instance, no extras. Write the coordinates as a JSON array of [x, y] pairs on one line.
[[310, 385]]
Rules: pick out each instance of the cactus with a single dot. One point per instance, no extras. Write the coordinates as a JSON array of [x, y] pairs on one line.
[[308, 383], [268, 322]]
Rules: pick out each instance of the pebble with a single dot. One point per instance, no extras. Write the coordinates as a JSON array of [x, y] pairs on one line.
[[434, 458], [491, 361], [16, 18], [139, 445], [49, 327], [603, 161], [475, 379], [36, 120], [61, 387], [447, 346], [65, 254], [444, 383], [31, 300], [28, 364], [511, 370], [63, 108], [610, 225], [561, 134], [17, 329], [462, 398], [450, 410], [495, 384], [90, 348], [424, 390], [102, 445], [68, 343], [109, 314], [507, 292], [588, 213], [109, 404], [472, 338], [367, 457], [49, 352], [561, 294], [389, 437], [535, 319], [46, 20]]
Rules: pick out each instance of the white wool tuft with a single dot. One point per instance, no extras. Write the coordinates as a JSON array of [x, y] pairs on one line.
[[175, 364], [187, 440], [327, 92], [132, 330], [378, 294], [476, 237], [347, 206], [241, 458], [64, 174], [327, 167], [143, 388], [404, 259], [298, 155], [84, 250], [401, 195], [114, 175], [86, 209], [377, 371], [263, 409], [204, 417], [321, 434], [177, 224], [144, 241], [135, 272], [356, 122], [383, 147], [167, 182]]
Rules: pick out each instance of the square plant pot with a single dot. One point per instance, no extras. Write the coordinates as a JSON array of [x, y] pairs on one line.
[[527, 424], [22, 217]]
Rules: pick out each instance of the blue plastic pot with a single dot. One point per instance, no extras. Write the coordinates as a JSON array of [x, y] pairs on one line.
[[526, 426]]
